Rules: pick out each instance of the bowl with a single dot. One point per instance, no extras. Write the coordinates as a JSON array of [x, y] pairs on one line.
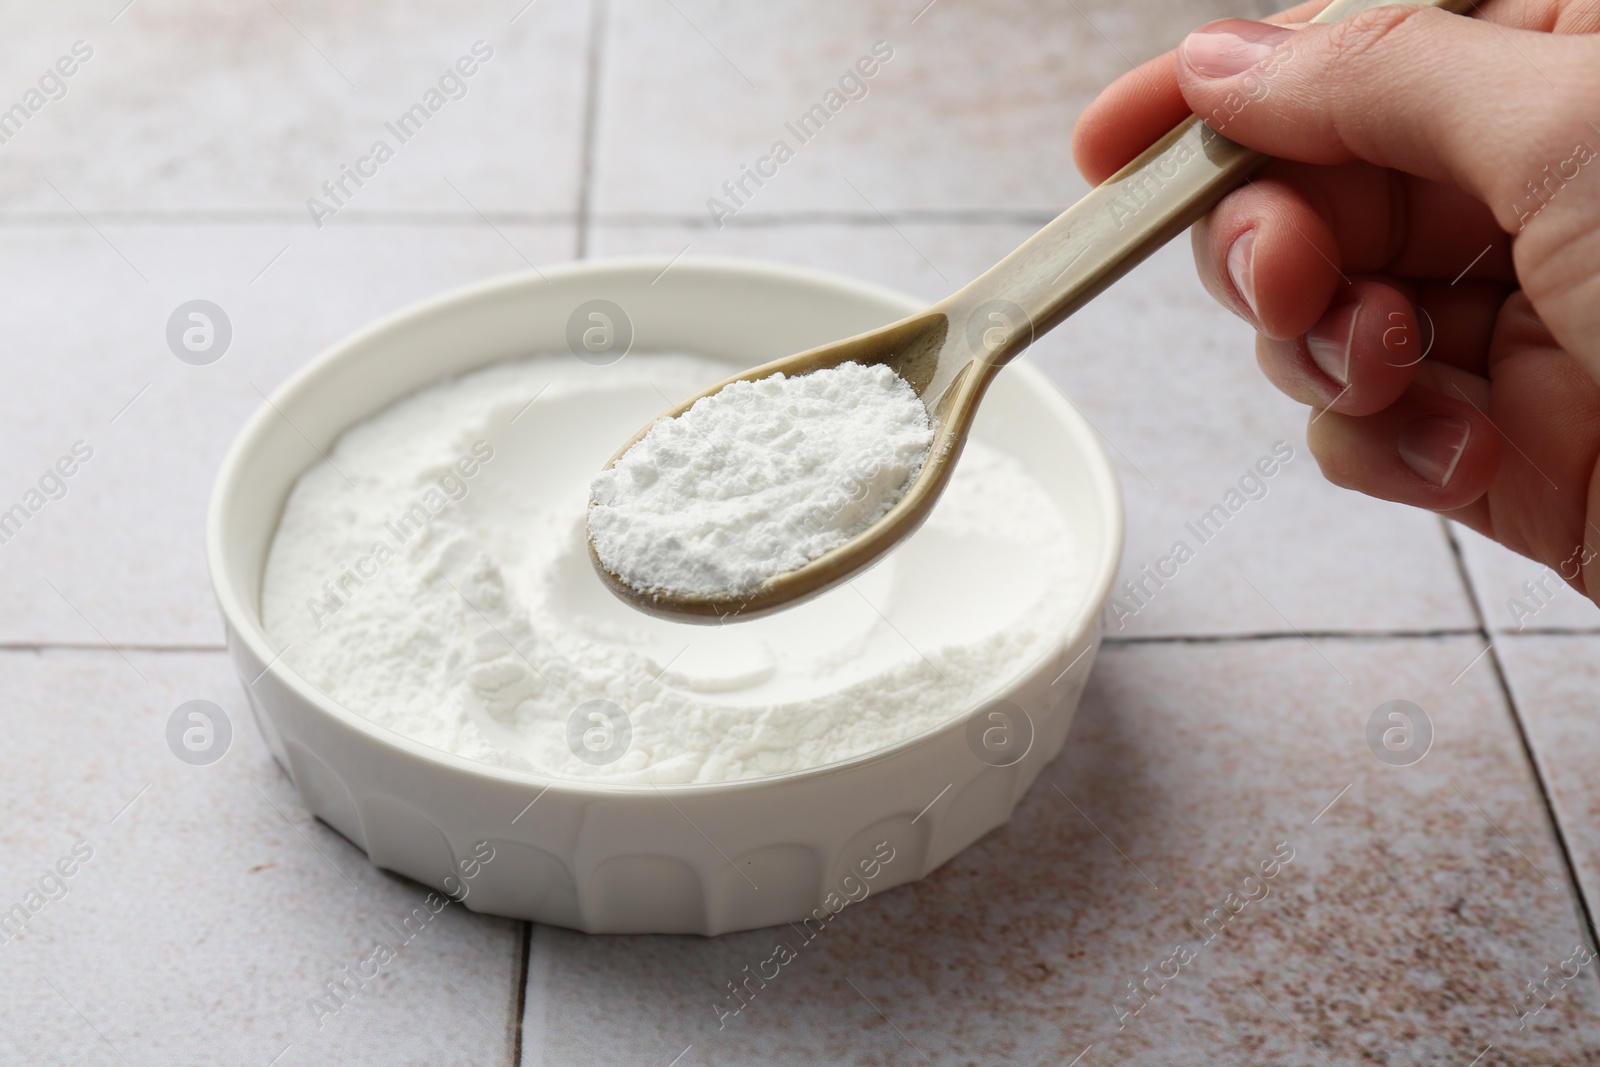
[[610, 857]]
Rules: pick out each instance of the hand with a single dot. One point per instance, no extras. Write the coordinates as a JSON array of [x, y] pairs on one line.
[[1422, 263]]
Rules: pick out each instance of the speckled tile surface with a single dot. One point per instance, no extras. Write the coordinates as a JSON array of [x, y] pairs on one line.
[[1519, 595], [1417, 902], [973, 108], [1554, 679], [212, 911], [184, 106]]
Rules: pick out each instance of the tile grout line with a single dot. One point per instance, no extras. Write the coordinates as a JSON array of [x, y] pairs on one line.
[[283, 217], [75, 646], [820, 216], [521, 1000], [617, 220], [1289, 635], [591, 122], [1535, 764]]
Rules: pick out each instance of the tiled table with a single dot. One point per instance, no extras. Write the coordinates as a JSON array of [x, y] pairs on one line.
[[1227, 717]]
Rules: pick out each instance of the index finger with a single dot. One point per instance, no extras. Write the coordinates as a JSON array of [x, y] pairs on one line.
[[1141, 106]]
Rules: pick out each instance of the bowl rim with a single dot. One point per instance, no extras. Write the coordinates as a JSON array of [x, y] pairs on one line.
[[245, 626]]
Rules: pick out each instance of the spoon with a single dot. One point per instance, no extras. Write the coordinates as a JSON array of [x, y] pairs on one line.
[[950, 352]]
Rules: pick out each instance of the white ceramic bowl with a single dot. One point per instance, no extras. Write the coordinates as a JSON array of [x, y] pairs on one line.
[[615, 858]]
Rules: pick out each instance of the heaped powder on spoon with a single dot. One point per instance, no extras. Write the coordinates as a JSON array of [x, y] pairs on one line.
[[758, 479], [435, 578]]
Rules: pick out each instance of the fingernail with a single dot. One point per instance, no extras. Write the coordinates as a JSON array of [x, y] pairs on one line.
[[1231, 46], [1330, 341], [1433, 446], [1241, 267]]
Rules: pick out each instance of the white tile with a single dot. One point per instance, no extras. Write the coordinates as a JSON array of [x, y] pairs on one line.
[[1554, 679], [1518, 594], [213, 908], [975, 108], [1400, 932], [186, 106], [85, 336], [1170, 380]]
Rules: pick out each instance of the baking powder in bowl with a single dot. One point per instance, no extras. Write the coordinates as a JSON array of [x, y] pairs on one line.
[[433, 576], [758, 479]]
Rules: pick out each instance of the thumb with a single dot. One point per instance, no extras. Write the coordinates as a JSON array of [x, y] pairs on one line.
[[1408, 87]]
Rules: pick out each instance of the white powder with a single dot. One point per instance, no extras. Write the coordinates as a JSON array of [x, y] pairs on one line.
[[445, 592], [758, 479]]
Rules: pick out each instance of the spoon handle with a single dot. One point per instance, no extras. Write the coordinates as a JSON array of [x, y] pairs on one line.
[[1119, 223]]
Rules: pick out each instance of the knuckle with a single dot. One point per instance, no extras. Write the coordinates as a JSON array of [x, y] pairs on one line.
[[1357, 36]]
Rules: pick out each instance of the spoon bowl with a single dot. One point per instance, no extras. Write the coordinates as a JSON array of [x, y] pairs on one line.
[[915, 349]]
